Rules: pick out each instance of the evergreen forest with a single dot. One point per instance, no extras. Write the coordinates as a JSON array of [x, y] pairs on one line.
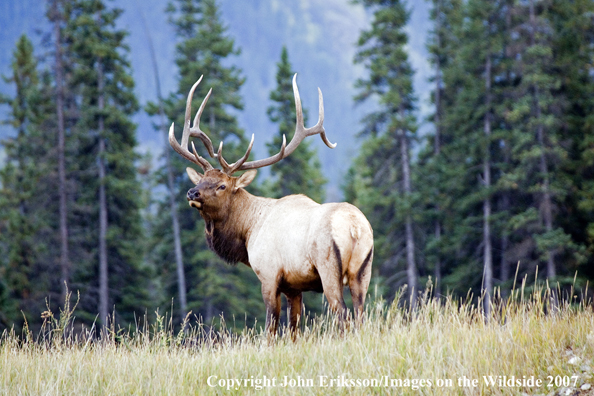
[[498, 192]]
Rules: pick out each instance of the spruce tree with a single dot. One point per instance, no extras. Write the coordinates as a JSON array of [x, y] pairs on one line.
[[299, 173], [536, 114], [29, 220], [384, 164], [159, 110], [20, 218], [482, 16], [573, 42], [108, 191], [432, 177], [471, 146], [214, 287], [59, 13]]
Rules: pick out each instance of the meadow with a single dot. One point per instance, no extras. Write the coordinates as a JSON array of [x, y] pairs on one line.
[[530, 344]]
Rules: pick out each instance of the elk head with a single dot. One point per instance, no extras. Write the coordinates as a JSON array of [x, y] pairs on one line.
[[215, 188]]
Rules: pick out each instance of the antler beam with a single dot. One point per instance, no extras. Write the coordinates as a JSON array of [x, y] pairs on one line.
[[300, 133]]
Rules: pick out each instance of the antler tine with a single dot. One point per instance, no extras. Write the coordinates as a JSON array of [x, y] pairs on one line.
[[206, 166], [321, 121], [234, 167], [193, 131], [300, 133], [195, 158], [186, 133]]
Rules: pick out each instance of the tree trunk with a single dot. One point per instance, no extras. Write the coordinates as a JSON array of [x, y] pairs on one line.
[[504, 273], [437, 148], [208, 306], [59, 70], [103, 268], [547, 204], [411, 268], [504, 266], [488, 250], [179, 263], [210, 266], [547, 207]]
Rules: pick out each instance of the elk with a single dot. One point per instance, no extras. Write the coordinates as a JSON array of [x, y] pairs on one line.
[[293, 244]]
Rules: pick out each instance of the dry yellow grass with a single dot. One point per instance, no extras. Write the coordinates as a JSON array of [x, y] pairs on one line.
[[394, 352]]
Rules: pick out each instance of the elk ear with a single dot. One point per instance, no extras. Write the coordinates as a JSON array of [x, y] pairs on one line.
[[245, 179], [194, 176]]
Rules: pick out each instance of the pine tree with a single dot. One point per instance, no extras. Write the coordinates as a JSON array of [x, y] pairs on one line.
[[432, 175], [19, 217], [385, 164], [299, 173], [159, 109], [536, 114], [58, 14], [460, 168], [213, 286], [494, 38], [482, 16], [473, 119], [108, 190], [573, 42]]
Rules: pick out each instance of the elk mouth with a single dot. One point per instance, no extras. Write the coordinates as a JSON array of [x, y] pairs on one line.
[[195, 204]]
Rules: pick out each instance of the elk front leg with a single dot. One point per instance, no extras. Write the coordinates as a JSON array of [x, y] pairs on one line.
[[294, 312], [272, 300]]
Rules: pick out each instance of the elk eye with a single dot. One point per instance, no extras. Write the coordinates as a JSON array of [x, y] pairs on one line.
[[221, 187]]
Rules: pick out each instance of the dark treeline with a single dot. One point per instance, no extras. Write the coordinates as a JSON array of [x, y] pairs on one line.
[[505, 178]]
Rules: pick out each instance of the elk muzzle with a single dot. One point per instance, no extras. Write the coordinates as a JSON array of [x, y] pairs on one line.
[[193, 197]]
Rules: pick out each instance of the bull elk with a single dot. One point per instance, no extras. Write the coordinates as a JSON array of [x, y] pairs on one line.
[[293, 244]]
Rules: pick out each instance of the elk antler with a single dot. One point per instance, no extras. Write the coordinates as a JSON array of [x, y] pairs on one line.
[[300, 133], [194, 131]]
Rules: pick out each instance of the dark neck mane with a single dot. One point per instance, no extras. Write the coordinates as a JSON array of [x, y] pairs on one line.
[[228, 237], [227, 244]]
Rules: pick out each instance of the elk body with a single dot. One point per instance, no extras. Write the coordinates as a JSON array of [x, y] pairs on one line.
[[293, 244]]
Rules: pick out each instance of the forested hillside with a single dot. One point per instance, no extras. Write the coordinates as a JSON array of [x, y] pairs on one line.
[[494, 187]]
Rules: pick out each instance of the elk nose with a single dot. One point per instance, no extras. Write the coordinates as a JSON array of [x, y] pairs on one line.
[[193, 195]]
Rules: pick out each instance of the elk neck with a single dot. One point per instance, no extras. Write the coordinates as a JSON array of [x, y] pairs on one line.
[[227, 235]]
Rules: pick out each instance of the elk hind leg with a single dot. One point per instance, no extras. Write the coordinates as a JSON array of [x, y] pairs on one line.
[[332, 277]]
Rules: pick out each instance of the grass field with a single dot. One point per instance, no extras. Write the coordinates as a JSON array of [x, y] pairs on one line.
[[445, 347]]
